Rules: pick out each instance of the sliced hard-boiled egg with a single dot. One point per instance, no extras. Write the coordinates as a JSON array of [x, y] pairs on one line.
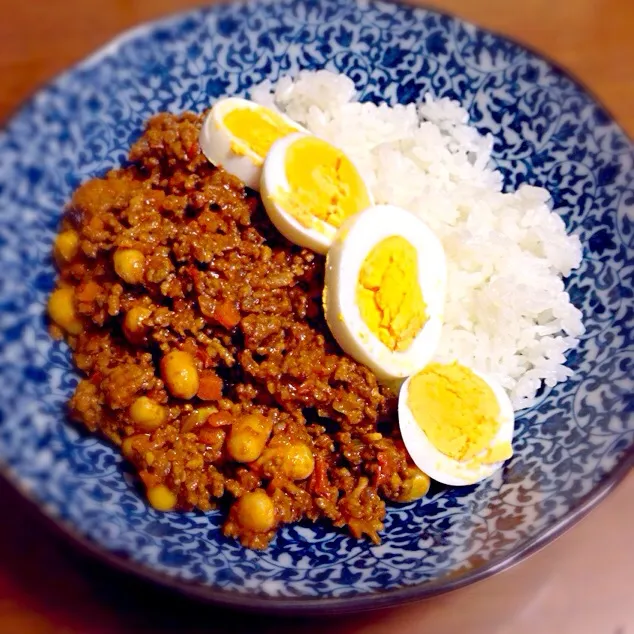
[[384, 290], [457, 424], [309, 187], [237, 135]]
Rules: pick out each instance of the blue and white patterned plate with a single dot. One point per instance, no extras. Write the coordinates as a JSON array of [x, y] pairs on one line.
[[571, 448]]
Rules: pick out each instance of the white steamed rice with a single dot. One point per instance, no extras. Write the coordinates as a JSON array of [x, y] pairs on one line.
[[507, 312]]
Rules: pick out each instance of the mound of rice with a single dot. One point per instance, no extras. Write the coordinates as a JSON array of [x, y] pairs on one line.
[[507, 311]]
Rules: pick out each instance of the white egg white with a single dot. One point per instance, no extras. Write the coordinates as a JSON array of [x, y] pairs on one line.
[[438, 465], [219, 145], [319, 236], [356, 238]]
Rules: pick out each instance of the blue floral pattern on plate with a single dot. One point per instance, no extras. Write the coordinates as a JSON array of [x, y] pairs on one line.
[[570, 447]]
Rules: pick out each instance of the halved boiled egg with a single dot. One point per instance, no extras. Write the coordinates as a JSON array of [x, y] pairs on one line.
[[384, 290], [237, 134], [457, 424], [309, 188]]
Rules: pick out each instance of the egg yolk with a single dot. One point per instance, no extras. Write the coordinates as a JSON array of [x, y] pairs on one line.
[[389, 296], [322, 183], [256, 129], [458, 412]]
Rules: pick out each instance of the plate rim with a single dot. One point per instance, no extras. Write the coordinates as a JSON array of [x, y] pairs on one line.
[[317, 606], [325, 606]]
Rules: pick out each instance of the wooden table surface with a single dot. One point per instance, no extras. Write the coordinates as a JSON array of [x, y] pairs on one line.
[[582, 583]]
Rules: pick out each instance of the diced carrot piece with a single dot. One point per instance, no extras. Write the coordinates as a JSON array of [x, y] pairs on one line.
[[318, 479], [149, 479], [193, 272], [220, 419], [180, 305], [383, 469], [211, 436], [87, 292], [227, 315], [210, 386], [192, 150]]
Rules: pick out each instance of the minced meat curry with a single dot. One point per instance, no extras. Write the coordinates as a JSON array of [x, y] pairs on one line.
[[200, 335]]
